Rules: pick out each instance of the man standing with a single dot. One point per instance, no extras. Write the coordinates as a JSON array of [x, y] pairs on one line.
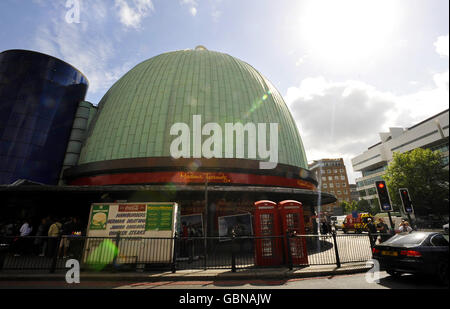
[[383, 229], [372, 232]]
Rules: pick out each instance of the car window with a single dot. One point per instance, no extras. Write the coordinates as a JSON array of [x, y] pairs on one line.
[[438, 240], [409, 239]]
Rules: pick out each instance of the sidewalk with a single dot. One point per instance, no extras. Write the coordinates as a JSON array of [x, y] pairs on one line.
[[281, 273]]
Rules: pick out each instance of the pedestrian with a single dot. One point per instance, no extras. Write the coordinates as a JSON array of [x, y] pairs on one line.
[[39, 240], [372, 232], [404, 227], [67, 229], [24, 242], [53, 234], [383, 229]]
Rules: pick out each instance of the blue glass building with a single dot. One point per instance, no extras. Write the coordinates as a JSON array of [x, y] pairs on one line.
[[39, 96]]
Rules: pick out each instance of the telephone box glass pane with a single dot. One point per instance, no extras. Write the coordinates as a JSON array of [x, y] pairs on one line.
[[292, 221], [266, 224]]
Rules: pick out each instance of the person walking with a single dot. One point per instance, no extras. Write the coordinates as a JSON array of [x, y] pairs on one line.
[[53, 232]]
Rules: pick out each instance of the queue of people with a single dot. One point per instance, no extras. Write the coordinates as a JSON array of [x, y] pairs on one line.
[[44, 240]]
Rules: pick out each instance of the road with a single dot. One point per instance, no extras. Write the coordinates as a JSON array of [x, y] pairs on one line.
[[355, 281]]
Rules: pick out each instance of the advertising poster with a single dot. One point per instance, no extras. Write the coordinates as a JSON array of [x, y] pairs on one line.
[[142, 228], [192, 225], [242, 225]]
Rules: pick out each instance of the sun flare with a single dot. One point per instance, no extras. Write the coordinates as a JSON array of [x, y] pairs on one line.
[[347, 31]]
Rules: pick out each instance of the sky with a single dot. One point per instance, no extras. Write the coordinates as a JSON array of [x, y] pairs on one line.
[[347, 69]]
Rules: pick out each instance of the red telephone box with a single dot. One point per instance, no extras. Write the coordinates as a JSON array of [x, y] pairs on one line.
[[292, 221], [266, 223]]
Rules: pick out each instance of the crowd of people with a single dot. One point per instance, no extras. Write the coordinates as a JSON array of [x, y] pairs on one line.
[[41, 239]]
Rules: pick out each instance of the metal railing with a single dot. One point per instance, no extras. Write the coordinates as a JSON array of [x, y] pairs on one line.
[[136, 253]]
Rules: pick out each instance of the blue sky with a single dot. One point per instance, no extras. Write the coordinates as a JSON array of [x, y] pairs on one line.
[[337, 63]]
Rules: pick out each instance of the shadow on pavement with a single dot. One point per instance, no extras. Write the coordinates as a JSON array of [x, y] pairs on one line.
[[410, 281]]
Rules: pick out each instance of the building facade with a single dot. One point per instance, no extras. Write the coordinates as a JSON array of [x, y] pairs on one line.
[[331, 175], [39, 96], [122, 149], [431, 133]]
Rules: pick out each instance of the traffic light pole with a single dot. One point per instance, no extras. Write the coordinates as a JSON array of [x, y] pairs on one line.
[[390, 220]]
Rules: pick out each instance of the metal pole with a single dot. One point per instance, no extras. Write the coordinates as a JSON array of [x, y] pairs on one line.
[[289, 253], [392, 223], [174, 258], [233, 256], [206, 220], [338, 260]]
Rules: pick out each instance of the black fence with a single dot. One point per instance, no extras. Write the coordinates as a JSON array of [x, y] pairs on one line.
[[140, 254]]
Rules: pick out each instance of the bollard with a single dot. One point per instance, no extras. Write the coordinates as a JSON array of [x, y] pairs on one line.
[[338, 261]]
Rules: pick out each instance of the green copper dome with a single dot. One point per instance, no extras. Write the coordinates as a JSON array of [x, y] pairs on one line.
[[135, 116]]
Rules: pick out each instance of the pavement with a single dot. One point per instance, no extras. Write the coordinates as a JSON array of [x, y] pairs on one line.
[[197, 274]]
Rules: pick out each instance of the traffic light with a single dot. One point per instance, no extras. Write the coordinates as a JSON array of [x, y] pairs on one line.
[[383, 196], [406, 200]]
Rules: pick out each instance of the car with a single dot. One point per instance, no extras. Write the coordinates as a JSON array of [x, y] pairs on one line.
[[423, 253], [445, 227]]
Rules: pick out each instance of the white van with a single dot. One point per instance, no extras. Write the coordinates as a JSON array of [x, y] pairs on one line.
[[338, 221]]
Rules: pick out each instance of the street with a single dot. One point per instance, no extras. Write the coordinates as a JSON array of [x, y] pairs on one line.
[[355, 281]]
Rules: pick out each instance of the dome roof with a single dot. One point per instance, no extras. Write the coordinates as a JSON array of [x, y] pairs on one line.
[[135, 116]]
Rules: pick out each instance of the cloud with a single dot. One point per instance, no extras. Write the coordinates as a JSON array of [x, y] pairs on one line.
[[343, 119], [131, 16], [92, 52], [442, 45], [193, 4]]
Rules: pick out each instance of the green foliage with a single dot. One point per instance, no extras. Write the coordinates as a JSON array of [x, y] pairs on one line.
[[421, 172]]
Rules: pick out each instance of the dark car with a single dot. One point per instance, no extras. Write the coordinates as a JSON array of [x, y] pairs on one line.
[[416, 252]]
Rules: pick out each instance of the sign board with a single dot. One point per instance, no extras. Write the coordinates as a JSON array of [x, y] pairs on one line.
[[241, 224], [142, 227]]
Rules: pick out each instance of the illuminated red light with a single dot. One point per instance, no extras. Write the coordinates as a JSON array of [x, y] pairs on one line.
[[381, 186]]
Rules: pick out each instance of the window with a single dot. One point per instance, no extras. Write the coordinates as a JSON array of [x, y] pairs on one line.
[[438, 240], [330, 178], [345, 192], [329, 171], [339, 192], [335, 171], [324, 185], [342, 177], [324, 178], [342, 170], [331, 185], [336, 177], [338, 185], [344, 185]]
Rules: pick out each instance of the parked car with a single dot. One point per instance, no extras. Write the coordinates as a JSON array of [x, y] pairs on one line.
[[416, 252], [445, 227]]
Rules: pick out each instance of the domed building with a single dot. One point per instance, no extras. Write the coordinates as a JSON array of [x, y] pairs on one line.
[[196, 127]]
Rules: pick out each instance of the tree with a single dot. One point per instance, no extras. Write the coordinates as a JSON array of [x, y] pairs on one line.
[[421, 172]]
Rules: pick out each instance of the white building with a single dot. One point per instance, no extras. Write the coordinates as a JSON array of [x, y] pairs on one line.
[[431, 133]]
